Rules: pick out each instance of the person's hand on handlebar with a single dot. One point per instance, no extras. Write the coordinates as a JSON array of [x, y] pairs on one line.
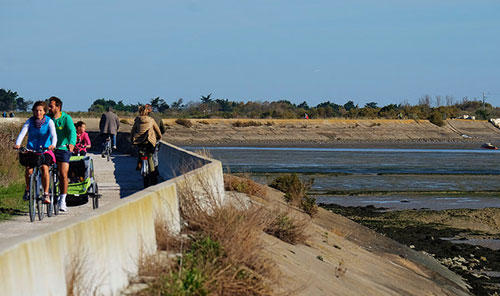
[[17, 147], [52, 147], [71, 147]]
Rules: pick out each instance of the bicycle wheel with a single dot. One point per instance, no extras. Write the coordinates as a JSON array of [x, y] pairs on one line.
[[108, 151], [145, 173], [32, 197], [39, 195], [50, 207], [95, 198]]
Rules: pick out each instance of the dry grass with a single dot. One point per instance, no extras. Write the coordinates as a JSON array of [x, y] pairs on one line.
[[10, 169], [288, 228], [203, 152], [223, 255], [128, 121], [184, 122], [246, 123], [79, 281], [244, 185]]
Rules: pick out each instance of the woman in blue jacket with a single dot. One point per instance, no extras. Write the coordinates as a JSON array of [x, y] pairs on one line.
[[41, 136]]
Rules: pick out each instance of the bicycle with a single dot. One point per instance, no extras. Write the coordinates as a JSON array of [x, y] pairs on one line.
[[107, 149], [36, 188], [148, 177]]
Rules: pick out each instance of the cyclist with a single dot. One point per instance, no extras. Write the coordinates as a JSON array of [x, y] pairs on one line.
[[145, 133], [66, 140], [160, 124], [41, 133], [82, 139], [109, 125]]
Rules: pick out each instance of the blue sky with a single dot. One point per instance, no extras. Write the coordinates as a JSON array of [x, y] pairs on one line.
[[382, 51]]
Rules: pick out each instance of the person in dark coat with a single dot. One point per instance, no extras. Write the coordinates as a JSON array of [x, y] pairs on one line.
[[109, 125]]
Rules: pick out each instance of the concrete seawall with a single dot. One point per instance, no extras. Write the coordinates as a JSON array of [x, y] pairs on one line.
[[106, 243]]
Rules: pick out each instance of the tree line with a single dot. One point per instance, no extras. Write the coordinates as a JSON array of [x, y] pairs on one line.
[[207, 107], [436, 109]]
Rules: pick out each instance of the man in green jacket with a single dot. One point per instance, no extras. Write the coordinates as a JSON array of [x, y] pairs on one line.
[[66, 140]]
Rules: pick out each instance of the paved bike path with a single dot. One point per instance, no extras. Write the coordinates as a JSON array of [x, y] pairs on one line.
[[116, 179]]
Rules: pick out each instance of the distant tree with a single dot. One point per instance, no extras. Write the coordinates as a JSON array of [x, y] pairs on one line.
[[303, 105], [10, 100], [438, 101], [159, 104], [425, 101], [101, 105], [206, 99], [225, 105], [350, 105], [372, 105], [178, 104]]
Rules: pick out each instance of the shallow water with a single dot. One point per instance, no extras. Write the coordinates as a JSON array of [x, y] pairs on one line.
[[455, 176]]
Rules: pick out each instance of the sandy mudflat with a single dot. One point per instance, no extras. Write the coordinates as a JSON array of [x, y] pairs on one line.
[[363, 133]]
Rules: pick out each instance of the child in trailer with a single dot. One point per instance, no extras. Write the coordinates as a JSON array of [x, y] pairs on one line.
[[82, 139]]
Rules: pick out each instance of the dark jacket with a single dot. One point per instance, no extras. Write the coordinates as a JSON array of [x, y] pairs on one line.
[[159, 122], [109, 123]]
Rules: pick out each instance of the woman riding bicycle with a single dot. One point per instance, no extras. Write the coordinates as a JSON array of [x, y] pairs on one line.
[[145, 133], [41, 135]]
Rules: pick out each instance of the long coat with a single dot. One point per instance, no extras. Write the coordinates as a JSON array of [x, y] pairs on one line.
[[109, 123], [145, 130]]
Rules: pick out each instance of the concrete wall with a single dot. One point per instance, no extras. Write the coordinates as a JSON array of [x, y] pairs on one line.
[[109, 240]]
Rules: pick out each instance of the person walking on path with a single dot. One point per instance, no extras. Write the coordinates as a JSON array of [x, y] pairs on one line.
[[109, 125], [66, 140]]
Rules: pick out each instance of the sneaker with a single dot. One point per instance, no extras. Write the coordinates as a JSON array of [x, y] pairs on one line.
[[62, 206], [102, 155], [114, 147], [46, 198], [26, 195]]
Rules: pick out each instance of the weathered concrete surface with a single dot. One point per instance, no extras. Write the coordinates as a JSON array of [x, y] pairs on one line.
[[108, 240]]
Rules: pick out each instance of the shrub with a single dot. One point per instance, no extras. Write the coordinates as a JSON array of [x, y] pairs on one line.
[[269, 123], [184, 122], [287, 229], [296, 192], [203, 122], [437, 118], [246, 123]]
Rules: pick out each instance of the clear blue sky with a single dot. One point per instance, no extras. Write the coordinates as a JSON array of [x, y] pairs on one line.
[[383, 51]]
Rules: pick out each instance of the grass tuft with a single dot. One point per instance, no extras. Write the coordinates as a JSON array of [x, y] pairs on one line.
[[246, 123], [288, 229], [244, 185], [184, 122]]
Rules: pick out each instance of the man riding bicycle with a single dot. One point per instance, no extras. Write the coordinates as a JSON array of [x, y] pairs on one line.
[[66, 140], [109, 125], [41, 134]]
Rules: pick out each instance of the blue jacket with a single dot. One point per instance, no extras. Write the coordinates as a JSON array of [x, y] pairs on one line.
[[39, 137]]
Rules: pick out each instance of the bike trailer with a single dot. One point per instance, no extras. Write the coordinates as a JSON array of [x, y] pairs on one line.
[[81, 179]]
